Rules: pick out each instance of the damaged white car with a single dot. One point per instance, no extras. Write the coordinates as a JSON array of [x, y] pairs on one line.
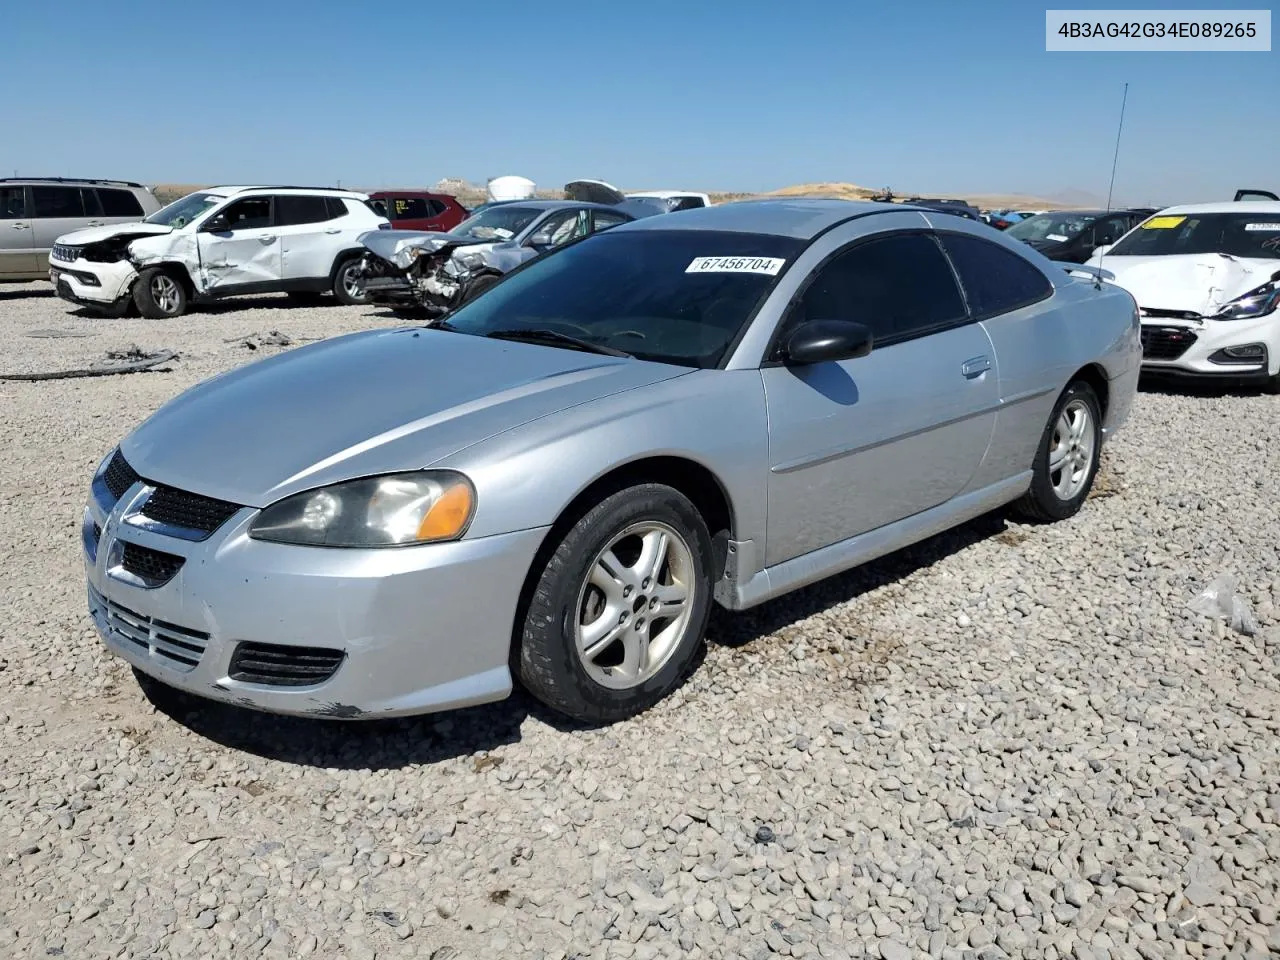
[[217, 243], [423, 273], [1207, 281]]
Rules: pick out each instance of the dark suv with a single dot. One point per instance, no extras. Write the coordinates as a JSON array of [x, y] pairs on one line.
[[418, 209], [1071, 236]]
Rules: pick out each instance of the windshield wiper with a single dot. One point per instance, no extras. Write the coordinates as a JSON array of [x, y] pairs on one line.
[[552, 338]]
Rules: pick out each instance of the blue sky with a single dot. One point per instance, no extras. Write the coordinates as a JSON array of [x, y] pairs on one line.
[[747, 95]]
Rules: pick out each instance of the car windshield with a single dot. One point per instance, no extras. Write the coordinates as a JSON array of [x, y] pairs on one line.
[[1057, 227], [181, 212], [501, 222], [1251, 235], [672, 296]]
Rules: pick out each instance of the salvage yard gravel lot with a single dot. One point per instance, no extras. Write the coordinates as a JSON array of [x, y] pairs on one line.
[[1007, 741]]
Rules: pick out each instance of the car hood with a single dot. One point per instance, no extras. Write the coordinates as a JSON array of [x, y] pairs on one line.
[[363, 404], [1200, 283], [394, 245], [97, 234]]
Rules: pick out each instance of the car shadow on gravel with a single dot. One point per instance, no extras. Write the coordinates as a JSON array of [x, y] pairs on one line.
[[413, 741], [1204, 389], [354, 745], [740, 629], [25, 294]]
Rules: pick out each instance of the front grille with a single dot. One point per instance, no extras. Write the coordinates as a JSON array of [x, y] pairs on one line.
[[153, 566], [1165, 343], [119, 476], [66, 253], [1170, 314], [178, 508], [176, 647], [284, 666]]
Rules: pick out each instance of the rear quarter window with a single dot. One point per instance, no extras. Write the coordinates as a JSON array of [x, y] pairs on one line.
[[995, 280], [118, 203]]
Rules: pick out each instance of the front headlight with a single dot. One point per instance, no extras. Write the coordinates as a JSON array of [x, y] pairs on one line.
[[389, 511], [1255, 303]]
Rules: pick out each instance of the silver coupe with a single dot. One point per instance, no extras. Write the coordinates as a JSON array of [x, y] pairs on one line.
[[553, 485]]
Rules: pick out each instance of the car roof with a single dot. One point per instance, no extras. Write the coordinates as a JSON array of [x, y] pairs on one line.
[[234, 190], [798, 217], [78, 181], [554, 204], [667, 194], [410, 193], [1271, 207]]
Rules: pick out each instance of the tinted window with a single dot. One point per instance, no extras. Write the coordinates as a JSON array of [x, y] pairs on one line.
[[409, 208], [605, 220], [378, 206], [899, 286], [58, 202], [251, 213], [13, 203], [339, 209], [995, 280], [1249, 235], [119, 203], [92, 206], [688, 203], [640, 291], [1110, 229], [292, 211]]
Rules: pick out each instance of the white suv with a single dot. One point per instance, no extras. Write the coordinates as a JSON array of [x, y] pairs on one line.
[[217, 243]]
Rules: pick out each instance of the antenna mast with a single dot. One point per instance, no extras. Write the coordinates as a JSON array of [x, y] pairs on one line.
[[1124, 99], [1115, 159]]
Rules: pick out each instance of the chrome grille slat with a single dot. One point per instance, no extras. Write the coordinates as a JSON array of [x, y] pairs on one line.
[[179, 648]]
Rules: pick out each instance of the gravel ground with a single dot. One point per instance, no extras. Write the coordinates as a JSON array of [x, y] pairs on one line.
[[1008, 741]]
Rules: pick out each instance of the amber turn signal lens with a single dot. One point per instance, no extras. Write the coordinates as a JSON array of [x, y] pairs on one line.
[[448, 515]]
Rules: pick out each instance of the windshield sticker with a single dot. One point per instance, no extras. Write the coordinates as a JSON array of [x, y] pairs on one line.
[[1162, 223], [766, 265], [1056, 237], [1268, 227]]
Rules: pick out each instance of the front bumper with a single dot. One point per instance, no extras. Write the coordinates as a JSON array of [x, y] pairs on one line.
[[98, 285], [415, 629], [1193, 348]]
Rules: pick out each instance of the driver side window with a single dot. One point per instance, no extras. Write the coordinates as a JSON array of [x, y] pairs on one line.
[[1109, 230], [251, 213], [560, 227]]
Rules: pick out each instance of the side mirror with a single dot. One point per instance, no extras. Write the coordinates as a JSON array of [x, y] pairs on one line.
[[819, 341], [540, 239], [1101, 249], [218, 223]]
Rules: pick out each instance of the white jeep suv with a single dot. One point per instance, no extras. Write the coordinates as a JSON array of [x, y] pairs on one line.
[[217, 243]]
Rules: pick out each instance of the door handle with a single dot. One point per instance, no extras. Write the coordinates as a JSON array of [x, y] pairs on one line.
[[96, 223], [334, 230], [266, 237], [976, 366], [20, 226]]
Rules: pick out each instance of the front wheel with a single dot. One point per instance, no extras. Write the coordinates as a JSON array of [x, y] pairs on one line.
[[479, 285], [159, 295], [348, 283], [617, 614], [1067, 459]]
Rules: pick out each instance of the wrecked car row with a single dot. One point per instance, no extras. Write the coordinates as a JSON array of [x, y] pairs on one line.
[[431, 273]]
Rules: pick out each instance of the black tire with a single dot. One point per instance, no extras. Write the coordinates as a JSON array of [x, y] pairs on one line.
[[160, 294], [345, 293], [1043, 503], [547, 661], [479, 285]]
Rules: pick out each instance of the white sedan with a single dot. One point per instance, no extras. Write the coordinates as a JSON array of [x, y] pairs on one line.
[[1207, 281]]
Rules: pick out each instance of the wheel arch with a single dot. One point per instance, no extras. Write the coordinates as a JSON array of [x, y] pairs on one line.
[[693, 479], [177, 268], [341, 257], [1094, 375]]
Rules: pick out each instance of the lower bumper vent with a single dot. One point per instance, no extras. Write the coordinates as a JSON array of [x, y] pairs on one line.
[[284, 666]]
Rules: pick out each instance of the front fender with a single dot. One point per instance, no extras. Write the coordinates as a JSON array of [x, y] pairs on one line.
[[527, 476]]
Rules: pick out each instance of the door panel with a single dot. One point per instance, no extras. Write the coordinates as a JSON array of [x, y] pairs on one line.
[[308, 237], [17, 234], [248, 253], [861, 443]]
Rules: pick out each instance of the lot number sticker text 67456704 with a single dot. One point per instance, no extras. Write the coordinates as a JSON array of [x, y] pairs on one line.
[[766, 265]]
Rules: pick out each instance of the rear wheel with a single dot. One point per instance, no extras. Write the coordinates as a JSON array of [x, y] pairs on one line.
[[1067, 459], [159, 294], [348, 283], [618, 612]]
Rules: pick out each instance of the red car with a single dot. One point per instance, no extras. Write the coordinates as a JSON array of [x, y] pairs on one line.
[[418, 210]]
